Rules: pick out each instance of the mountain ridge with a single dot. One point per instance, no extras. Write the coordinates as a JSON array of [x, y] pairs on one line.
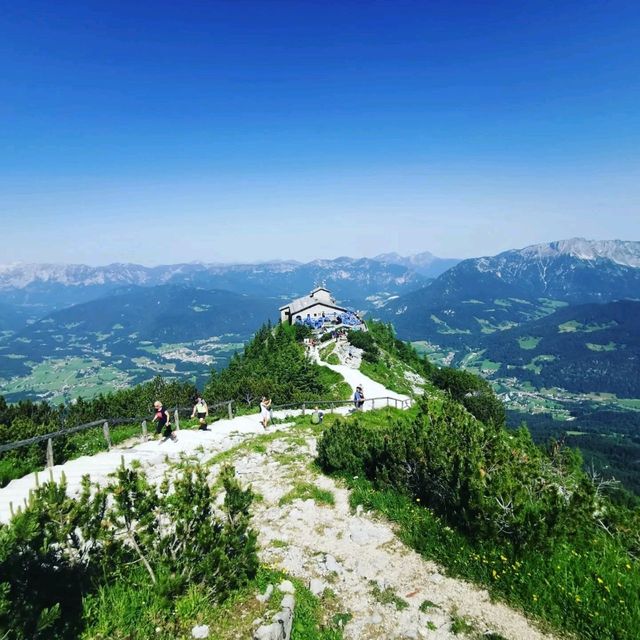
[[481, 295]]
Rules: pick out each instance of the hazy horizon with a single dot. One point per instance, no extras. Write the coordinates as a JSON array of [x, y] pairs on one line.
[[153, 264], [159, 133]]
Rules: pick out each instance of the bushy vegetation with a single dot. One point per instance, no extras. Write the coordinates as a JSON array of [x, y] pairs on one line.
[[65, 562], [473, 392], [479, 478], [274, 364], [608, 440], [365, 341], [384, 336], [492, 506]]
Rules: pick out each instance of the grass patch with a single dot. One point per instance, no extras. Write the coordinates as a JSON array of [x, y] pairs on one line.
[[388, 372], [308, 491], [326, 351], [460, 625], [338, 388], [279, 544], [611, 346], [528, 342], [427, 605], [133, 608], [388, 596]]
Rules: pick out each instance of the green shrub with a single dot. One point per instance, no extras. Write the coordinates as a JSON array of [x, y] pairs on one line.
[[482, 479], [362, 340], [59, 551], [473, 392]]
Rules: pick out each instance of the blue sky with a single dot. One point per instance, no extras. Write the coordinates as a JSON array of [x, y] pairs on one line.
[[158, 132]]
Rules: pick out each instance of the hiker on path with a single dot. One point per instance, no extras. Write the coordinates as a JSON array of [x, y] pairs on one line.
[[265, 411], [163, 419], [317, 416], [201, 410], [358, 398]]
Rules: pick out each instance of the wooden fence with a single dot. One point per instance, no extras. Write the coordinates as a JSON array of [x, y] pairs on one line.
[[309, 405]]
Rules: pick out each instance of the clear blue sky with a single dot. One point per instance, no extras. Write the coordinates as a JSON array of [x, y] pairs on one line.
[[160, 132]]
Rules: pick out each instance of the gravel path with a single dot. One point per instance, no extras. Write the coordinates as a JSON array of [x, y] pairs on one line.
[[355, 562]]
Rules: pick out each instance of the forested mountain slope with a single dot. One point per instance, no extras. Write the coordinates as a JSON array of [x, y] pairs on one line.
[[582, 348]]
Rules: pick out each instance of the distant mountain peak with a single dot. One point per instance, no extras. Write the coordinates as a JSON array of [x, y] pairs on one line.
[[425, 263], [622, 252], [419, 259]]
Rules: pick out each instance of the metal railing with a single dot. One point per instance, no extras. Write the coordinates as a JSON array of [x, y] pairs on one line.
[[107, 424], [382, 402]]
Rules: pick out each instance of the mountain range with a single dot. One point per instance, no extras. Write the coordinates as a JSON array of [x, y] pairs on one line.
[[479, 296], [39, 288], [455, 309], [424, 264]]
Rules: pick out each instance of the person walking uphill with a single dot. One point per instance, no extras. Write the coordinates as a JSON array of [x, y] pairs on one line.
[[358, 398], [201, 410], [164, 422], [265, 411]]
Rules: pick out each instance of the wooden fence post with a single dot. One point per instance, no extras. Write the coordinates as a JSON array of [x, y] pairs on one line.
[[373, 403], [107, 435], [230, 410], [387, 401], [396, 399], [145, 435], [333, 406], [49, 453], [176, 419], [304, 408]]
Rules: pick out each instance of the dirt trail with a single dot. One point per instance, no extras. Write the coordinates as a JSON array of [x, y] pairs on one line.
[[356, 560]]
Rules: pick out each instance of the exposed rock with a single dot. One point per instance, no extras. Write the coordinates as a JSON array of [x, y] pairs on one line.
[[286, 586], [331, 564], [200, 631], [266, 595], [271, 631], [364, 532], [280, 628], [316, 586]]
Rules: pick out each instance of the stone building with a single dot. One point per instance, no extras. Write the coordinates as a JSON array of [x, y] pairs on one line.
[[317, 303]]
